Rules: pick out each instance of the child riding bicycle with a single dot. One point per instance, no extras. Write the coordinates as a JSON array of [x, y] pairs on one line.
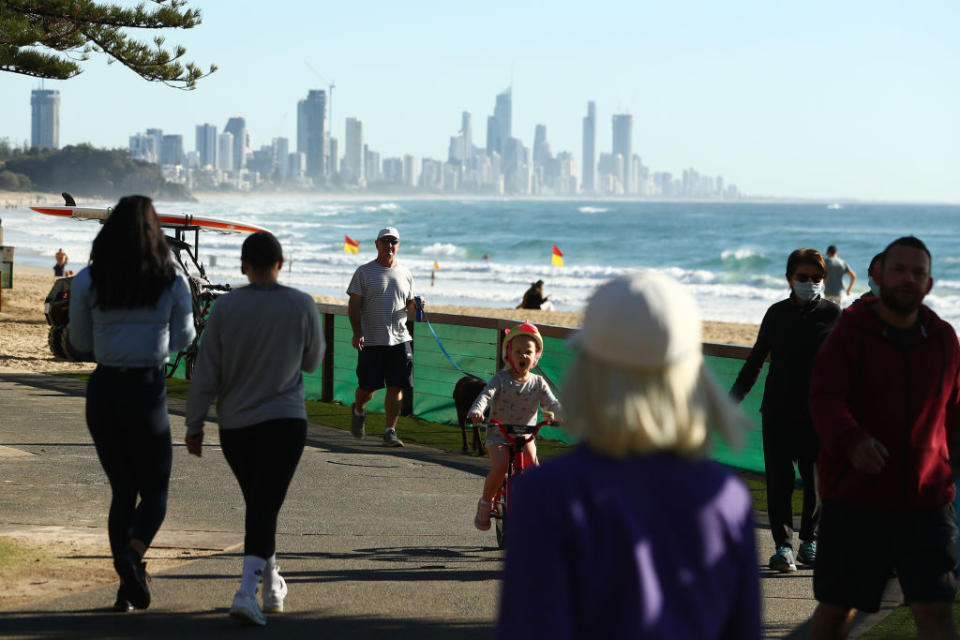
[[514, 394]]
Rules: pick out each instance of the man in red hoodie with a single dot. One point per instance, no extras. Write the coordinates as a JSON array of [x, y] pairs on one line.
[[885, 400]]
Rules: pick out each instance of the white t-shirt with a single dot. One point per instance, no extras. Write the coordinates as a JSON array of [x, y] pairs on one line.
[[384, 293]]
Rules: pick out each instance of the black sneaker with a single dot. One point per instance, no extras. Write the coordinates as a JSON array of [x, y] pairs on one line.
[[134, 575], [122, 605], [357, 423]]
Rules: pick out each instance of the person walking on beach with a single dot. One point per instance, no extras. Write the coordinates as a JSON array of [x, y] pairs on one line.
[[791, 333], [533, 297], [61, 263], [885, 400], [257, 341], [131, 310], [635, 533], [381, 296], [836, 269]]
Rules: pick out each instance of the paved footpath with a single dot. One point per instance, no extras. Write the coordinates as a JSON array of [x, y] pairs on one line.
[[373, 542]]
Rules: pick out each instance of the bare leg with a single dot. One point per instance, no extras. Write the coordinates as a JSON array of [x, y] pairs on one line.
[[391, 406], [499, 455], [530, 448], [934, 620], [362, 397], [831, 622]]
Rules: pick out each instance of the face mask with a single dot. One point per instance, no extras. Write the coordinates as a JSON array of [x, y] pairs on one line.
[[807, 291], [874, 287]]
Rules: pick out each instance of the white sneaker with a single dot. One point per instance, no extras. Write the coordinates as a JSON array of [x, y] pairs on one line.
[[246, 609], [274, 591]]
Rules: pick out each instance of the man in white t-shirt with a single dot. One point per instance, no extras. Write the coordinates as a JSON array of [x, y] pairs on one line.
[[381, 295]]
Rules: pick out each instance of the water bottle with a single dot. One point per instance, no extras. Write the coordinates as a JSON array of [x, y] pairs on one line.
[[418, 302]]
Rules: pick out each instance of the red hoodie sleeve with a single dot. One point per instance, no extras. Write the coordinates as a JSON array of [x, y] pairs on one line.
[[830, 387]]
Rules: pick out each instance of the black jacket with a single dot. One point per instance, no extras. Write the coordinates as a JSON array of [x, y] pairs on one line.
[[791, 336]]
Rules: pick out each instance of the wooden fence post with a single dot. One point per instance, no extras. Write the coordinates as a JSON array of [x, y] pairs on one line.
[[326, 373]]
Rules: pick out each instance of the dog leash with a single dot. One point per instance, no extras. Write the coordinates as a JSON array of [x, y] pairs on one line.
[[423, 316]]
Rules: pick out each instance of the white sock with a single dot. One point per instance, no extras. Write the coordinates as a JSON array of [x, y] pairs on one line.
[[356, 412], [269, 571], [252, 570]]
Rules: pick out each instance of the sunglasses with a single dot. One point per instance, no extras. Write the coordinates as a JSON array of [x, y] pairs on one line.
[[389, 241], [805, 277]]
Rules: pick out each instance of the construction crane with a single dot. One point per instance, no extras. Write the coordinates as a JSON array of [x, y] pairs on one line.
[[330, 86]]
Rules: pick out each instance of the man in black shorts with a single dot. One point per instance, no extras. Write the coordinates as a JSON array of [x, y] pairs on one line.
[[381, 295], [885, 400]]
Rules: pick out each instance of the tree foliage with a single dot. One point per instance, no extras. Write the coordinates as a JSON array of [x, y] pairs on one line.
[[85, 171], [50, 38]]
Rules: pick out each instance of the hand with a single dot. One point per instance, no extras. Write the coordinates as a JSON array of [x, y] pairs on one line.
[[870, 456], [475, 418], [358, 341], [195, 444]]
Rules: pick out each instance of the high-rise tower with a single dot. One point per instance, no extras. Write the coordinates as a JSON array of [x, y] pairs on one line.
[[312, 131], [503, 114], [45, 119], [623, 146], [207, 144], [467, 133], [353, 152], [238, 127], [590, 148]]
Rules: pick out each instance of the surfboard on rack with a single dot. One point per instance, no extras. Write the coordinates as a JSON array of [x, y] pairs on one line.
[[174, 220]]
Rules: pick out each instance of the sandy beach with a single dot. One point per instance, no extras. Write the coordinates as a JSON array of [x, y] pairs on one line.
[[23, 329]]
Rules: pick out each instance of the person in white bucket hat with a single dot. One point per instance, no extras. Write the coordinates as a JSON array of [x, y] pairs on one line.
[[638, 533]]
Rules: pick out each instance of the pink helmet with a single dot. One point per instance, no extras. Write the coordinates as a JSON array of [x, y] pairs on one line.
[[526, 329]]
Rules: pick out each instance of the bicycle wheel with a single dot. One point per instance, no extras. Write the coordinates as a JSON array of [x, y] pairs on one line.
[[501, 524]]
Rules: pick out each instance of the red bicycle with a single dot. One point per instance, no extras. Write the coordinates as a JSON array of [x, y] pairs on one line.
[[517, 435]]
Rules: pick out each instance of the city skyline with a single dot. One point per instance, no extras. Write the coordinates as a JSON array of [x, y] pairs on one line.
[[821, 101]]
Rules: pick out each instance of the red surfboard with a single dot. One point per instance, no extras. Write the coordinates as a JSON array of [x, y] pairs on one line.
[[166, 219]]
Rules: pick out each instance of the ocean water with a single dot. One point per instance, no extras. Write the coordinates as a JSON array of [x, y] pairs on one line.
[[732, 256]]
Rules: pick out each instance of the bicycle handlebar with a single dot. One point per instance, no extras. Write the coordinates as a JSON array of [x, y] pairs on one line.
[[525, 431]]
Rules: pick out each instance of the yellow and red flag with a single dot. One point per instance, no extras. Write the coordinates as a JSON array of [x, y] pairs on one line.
[[350, 245], [557, 256], [436, 265]]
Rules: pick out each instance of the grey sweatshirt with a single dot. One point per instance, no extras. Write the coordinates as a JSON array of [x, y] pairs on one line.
[[256, 343]]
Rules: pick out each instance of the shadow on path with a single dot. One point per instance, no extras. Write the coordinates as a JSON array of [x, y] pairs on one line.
[[102, 623]]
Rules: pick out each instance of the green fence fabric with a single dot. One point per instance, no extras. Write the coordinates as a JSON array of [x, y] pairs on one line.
[[750, 457], [475, 351], [434, 377]]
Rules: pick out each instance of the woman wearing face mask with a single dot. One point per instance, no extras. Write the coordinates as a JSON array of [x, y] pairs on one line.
[[791, 334]]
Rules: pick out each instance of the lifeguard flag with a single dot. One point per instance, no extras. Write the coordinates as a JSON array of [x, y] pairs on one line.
[[350, 245], [436, 265], [557, 256]]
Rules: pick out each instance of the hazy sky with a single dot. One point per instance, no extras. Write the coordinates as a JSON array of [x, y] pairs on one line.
[[817, 99]]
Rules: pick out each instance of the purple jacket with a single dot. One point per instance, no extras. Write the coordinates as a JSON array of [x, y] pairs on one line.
[[653, 546]]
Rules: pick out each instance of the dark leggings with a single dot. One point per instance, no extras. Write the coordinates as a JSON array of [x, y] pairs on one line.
[[264, 457], [127, 417], [788, 440]]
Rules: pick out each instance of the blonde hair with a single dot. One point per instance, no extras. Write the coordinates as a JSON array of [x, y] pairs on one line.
[[620, 411]]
